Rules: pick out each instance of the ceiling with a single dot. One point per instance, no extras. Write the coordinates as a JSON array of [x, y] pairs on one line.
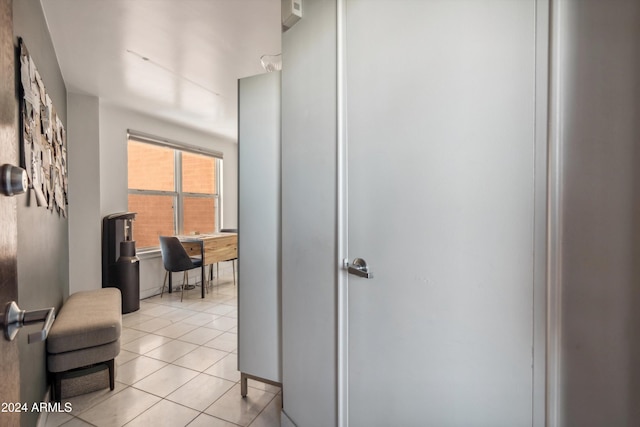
[[177, 60]]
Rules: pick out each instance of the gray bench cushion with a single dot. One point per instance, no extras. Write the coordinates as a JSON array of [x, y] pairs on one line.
[[87, 319], [89, 356]]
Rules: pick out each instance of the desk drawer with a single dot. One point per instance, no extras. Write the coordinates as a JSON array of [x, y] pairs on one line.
[[220, 249], [192, 248], [216, 249]]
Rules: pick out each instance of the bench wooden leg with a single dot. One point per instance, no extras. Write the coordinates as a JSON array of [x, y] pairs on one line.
[[112, 376], [57, 386]]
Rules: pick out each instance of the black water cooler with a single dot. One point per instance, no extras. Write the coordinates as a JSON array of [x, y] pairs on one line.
[[120, 265]]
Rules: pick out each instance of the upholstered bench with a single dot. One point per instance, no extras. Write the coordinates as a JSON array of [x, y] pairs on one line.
[[85, 335]]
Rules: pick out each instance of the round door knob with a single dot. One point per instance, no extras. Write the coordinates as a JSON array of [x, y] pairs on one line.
[[13, 180]]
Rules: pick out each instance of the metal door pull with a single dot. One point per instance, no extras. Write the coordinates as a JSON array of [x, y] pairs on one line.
[[359, 268], [15, 318]]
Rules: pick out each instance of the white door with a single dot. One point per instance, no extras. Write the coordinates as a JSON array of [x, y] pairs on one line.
[[441, 162]]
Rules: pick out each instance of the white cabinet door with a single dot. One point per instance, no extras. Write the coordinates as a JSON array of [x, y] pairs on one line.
[[259, 330]]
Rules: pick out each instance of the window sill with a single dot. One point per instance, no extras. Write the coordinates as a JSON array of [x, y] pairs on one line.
[[148, 253]]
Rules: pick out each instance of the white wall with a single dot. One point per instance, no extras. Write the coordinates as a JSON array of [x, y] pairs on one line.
[[83, 134], [98, 182], [309, 259]]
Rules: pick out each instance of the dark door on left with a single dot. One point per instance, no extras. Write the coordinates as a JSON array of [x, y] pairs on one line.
[[9, 362]]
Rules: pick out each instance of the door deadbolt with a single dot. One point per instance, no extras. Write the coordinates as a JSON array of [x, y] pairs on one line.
[[13, 180]]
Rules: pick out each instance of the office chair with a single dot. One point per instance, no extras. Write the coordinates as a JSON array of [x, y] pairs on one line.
[[175, 258]]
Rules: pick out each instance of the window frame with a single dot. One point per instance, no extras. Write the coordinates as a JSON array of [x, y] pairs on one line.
[[177, 194]]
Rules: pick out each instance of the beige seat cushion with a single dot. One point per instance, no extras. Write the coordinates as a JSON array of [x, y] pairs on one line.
[[79, 358], [87, 319]]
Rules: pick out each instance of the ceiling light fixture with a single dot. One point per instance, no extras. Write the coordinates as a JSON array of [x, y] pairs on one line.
[[271, 62]]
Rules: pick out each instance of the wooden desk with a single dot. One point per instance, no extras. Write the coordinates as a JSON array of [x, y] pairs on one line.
[[213, 248]]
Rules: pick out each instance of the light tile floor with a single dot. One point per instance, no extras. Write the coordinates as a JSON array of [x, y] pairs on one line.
[[178, 367]]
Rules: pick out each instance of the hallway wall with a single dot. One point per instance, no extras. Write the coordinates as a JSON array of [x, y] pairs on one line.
[[309, 217], [43, 243]]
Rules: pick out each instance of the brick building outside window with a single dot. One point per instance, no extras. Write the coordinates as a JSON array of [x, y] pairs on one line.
[[172, 190]]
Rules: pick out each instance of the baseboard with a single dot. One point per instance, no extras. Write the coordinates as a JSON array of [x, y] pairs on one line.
[[43, 417], [285, 421]]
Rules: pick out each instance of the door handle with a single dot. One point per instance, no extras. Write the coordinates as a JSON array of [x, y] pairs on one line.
[[13, 180], [14, 319], [358, 268]]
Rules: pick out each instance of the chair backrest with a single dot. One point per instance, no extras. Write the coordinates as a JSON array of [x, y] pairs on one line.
[[174, 256]]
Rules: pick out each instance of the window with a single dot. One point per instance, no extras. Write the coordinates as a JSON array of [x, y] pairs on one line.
[[173, 189]]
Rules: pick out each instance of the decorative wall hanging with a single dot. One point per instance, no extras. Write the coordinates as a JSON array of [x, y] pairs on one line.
[[43, 139]]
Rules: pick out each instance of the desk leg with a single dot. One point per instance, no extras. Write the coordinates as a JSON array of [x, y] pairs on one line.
[[202, 280], [202, 270]]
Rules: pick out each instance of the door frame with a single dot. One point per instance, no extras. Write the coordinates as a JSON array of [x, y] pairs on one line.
[[554, 222], [545, 171]]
